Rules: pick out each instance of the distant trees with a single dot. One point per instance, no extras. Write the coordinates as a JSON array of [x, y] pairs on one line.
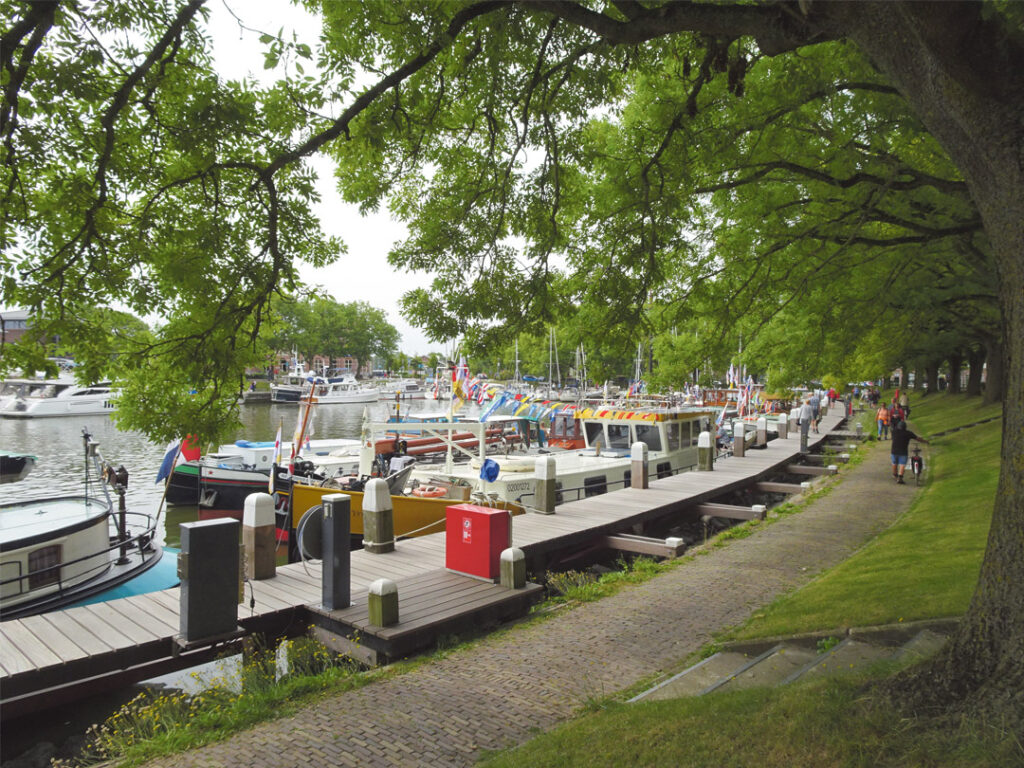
[[322, 326]]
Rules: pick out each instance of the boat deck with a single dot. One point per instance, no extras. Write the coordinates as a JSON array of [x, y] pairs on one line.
[[130, 639]]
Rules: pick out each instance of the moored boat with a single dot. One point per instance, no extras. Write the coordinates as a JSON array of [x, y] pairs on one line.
[[63, 396], [59, 550], [15, 466]]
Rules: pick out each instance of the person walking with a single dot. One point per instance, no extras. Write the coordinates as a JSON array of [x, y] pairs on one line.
[[901, 437], [815, 403], [882, 418], [904, 403]]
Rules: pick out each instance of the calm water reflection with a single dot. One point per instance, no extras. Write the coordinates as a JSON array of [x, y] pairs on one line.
[[57, 442]]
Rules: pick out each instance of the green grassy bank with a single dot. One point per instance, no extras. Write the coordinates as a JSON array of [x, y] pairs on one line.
[[924, 566]]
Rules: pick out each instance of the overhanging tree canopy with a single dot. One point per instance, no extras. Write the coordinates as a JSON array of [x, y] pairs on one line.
[[152, 183]]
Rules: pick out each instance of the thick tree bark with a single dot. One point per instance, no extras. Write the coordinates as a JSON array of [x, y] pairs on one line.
[[931, 372], [975, 361], [956, 361], [995, 371], [966, 83]]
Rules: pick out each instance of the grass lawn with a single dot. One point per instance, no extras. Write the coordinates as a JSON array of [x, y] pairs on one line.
[[924, 566]]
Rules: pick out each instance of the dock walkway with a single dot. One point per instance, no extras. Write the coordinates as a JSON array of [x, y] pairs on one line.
[[134, 637], [501, 691]]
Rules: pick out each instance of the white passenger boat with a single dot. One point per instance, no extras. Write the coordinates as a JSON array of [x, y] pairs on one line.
[[26, 398], [14, 466], [601, 465], [56, 551]]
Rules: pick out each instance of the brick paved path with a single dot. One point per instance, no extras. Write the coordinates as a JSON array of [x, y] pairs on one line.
[[491, 696]]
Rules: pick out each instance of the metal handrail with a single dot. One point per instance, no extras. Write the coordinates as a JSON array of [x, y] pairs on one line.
[[140, 539]]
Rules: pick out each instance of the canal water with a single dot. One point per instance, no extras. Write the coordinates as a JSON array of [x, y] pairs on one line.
[[60, 467], [57, 444]]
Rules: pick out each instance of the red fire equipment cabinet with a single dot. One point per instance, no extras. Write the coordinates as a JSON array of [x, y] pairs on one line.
[[474, 539]]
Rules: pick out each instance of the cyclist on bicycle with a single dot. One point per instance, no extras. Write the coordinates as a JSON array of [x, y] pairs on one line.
[[901, 437]]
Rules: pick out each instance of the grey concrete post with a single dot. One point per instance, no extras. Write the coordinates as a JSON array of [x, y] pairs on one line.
[[739, 438], [823, 409], [783, 426], [336, 577], [762, 431], [209, 573], [382, 603], [258, 537], [378, 518], [705, 452], [760, 510], [639, 476], [794, 415], [513, 568], [805, 428], [860, 431], [545, 495]]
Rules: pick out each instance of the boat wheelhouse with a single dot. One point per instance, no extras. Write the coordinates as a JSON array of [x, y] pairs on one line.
[[602, 464], [56, 551]]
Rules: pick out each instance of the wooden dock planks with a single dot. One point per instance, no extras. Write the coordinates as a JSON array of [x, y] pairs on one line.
[[107, 637]]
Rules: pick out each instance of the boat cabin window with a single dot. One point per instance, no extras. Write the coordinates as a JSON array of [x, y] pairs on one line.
[[595, 430], [43, 566], [649, 434], [618, 436], [672, 435]]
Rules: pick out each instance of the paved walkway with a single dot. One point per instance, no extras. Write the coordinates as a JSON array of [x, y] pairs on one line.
[[496, 694]]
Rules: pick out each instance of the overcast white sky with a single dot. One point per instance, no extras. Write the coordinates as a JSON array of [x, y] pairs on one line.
[[363, 274]]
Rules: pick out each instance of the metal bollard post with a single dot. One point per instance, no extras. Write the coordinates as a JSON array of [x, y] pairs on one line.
[[382, 603], [545, 494], [783, 426], [378, 518], [336, 578], [639, 476], [705, 452], [208, 569], [258, 537], [739, 438]]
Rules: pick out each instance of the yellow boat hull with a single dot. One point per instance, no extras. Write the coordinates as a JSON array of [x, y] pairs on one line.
[[413, 515]]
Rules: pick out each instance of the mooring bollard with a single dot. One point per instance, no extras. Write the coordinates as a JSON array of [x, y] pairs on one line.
[[860, 431], [759, 510], [805, 428], [705, 452], [210, 586], [739, 438], [382, 603], [513, 568], [639, 476], [762, 431], [544, 468], [378, 518], [336, 577], [258, 537], [783, 426]]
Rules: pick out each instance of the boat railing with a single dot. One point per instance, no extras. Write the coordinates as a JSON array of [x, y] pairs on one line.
[[138, 537]]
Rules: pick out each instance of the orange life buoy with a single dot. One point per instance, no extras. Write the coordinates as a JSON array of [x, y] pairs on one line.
[[429, 491]]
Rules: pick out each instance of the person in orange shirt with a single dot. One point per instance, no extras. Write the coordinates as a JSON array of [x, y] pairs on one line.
[[882, 417]]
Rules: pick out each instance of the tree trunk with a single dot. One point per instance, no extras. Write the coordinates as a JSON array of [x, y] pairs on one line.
[[966, 84], [931, 372], [995, 371], [976, 361], [956, 361]]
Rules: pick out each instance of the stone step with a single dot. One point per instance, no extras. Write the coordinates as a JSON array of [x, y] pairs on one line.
[[769, 669], [691, 681], [848, 655]]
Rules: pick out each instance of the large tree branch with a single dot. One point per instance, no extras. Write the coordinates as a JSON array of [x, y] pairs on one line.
[[775, 27]]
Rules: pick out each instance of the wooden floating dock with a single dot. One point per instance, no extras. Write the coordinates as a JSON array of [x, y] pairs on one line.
[[59, 656]]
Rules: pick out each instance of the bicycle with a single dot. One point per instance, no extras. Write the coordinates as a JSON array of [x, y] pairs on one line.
[[917, 465]]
